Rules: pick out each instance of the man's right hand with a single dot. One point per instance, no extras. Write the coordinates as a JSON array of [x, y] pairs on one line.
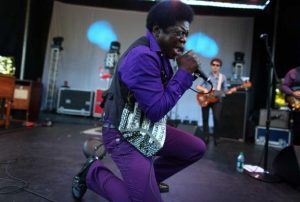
[[296, 94], [202, 89], [188, 61]]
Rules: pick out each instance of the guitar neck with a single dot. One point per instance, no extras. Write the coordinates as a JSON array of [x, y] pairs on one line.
[[244, 85]]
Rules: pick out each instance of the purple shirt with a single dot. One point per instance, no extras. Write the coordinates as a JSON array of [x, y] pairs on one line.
[[288, 82], [140, 71]]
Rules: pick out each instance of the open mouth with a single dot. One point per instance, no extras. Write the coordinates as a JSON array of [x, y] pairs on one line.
[[178, 50]]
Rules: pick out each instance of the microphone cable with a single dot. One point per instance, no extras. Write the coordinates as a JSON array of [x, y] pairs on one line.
[[210, 89]]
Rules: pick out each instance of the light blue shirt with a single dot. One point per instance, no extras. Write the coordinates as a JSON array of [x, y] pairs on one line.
[[214, 80]]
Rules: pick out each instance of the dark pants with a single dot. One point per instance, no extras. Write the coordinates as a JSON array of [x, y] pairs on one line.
[[141, 175], [216, 109]]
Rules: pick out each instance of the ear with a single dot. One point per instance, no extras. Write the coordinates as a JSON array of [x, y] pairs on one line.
[[156, 31]]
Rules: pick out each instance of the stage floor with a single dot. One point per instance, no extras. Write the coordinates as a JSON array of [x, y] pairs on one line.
[[41, 161]]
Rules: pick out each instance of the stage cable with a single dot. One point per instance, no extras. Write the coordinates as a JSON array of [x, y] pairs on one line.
[[17, 188]]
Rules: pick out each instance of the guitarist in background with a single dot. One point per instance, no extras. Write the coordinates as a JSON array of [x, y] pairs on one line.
[[291, 88], [219, 83]]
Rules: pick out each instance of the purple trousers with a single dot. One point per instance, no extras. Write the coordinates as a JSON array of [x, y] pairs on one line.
[[140, 174]]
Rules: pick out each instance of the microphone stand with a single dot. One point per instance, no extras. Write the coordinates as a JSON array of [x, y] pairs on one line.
[[266, 176]]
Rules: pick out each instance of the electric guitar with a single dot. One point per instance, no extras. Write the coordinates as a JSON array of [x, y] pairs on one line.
[[204, 99], [293, 103]]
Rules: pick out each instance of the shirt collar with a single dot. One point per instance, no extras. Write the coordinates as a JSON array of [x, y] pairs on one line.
[[213, 75], [153, 43]]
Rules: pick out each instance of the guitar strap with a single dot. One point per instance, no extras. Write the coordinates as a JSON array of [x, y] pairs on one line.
[[219, 81]]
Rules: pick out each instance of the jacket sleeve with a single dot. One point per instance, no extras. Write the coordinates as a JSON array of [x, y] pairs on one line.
[[141, 73]]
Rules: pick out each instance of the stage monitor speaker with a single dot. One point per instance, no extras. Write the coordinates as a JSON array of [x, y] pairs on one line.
[[193, 129], [286, 165], [173, 122]]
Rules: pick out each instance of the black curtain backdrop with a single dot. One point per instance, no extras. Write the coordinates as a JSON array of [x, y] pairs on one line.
[[12, 22], [40, 18], [288, 37], [12, 15], [263, 23]]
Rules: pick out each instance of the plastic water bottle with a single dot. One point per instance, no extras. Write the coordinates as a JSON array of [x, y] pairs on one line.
[[240, 162]]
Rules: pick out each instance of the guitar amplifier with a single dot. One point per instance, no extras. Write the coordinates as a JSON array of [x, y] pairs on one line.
[[75, 102], [279, 118]]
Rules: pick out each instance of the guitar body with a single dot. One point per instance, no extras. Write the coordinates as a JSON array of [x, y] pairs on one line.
[[204, 99], [293, 102]]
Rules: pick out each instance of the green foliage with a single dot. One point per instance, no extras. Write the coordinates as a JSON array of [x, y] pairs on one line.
[[7, 65]]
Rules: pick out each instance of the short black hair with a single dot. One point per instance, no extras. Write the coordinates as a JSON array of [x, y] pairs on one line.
[[167, 13], [216, 60]]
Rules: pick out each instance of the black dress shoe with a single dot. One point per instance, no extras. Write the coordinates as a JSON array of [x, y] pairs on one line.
[[163, 187], [79, 182]]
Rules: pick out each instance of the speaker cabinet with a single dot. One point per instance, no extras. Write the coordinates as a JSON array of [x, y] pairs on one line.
[[234, 115], [286, 165], [173, 122]]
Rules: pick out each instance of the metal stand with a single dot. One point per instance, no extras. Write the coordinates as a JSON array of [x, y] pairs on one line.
[[291, 126], [266, 176], [52, 75]]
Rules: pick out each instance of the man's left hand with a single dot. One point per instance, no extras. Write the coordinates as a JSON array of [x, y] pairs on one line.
[[232, 90]]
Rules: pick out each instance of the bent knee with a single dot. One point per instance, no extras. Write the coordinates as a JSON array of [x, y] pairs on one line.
[[199, 149]]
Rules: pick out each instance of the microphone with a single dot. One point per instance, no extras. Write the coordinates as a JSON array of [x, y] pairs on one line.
[[199, 73], [263, 36]]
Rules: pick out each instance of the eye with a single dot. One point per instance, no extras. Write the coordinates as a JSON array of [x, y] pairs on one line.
[[181, 34], [178, 33]]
